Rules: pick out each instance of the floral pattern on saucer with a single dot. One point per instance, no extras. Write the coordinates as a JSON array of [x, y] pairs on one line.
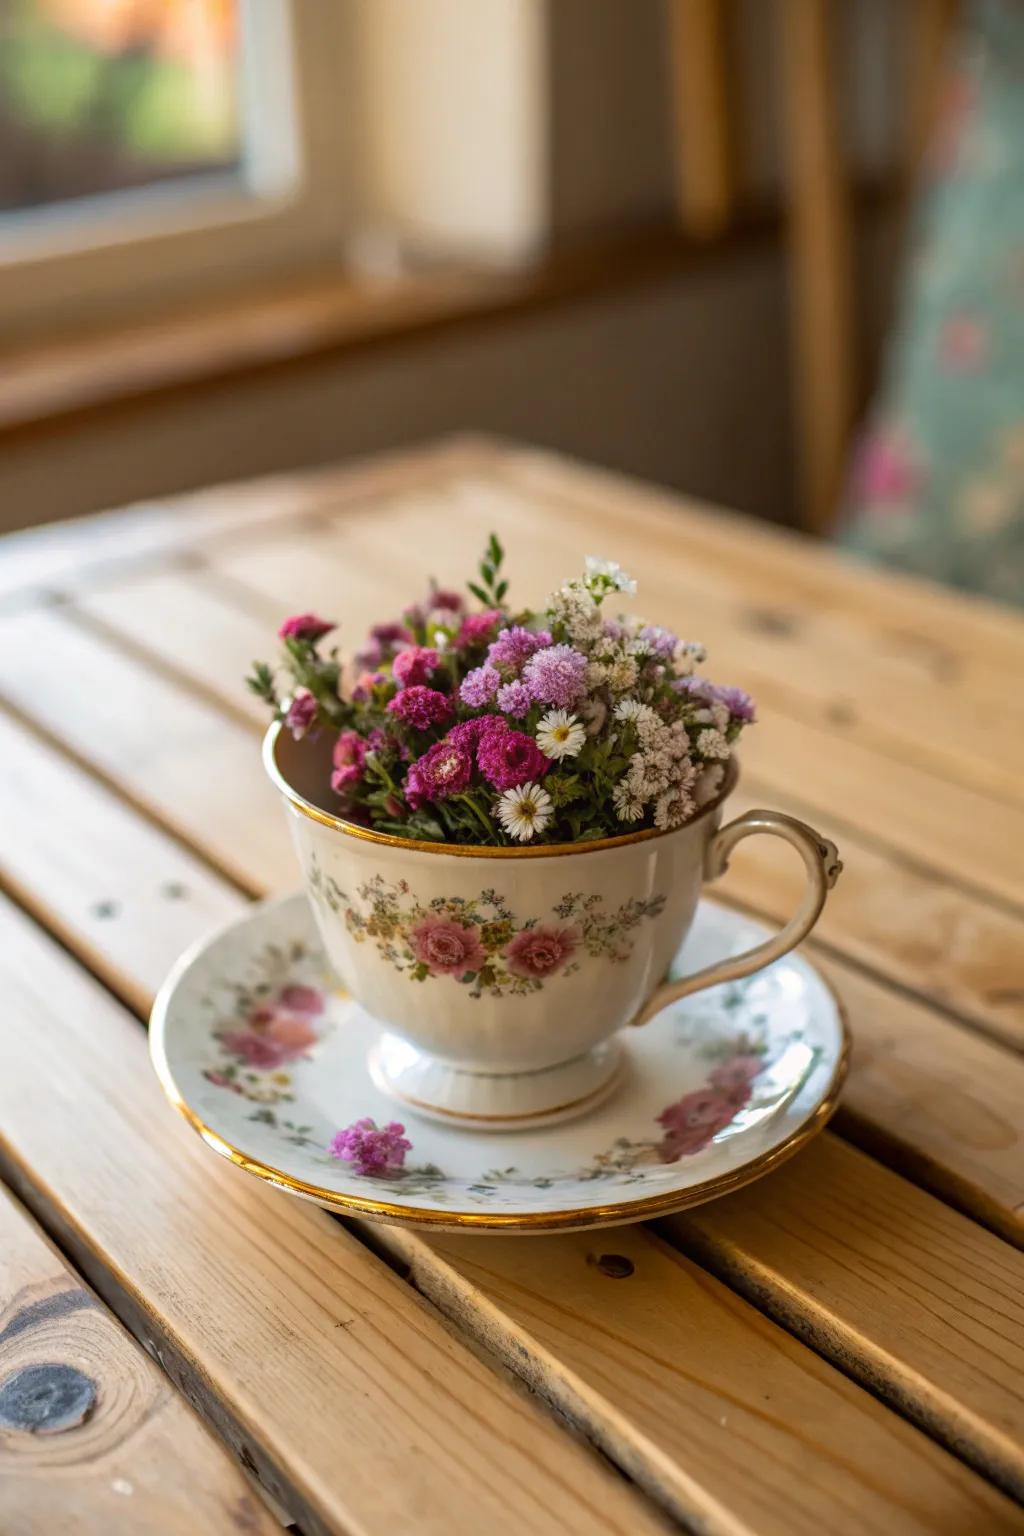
[[254, 1039], [481, 943]]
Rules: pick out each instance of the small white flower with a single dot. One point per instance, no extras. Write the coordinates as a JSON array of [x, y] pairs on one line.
[[524, 811], [634, 711], [711, 743], [709, 783], [610, 573], [623, 674], [673, 808], [628, 805], [594, 713], [560, 734]]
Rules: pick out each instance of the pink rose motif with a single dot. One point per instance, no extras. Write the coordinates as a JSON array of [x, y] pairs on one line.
[[733, 1078], [255, 1050], [885, 473], [540, 952], [692, 1123], [964, 344], [300, 999], [445, 947], [293, 1032]]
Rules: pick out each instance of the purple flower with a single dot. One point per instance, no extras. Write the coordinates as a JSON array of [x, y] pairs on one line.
[[444, 769], [305, 626], [557, 676], [515, 699], [661, 641], [421, 707], [514, 647], [477, 627], [373, 1150], [739, 703], [348, 758], [301, 713], [509, 758], [480, 686], [414, 664]]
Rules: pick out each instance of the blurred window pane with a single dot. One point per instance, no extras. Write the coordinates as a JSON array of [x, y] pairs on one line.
[[100, 96]]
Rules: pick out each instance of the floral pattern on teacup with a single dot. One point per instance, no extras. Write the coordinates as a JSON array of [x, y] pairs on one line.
[[270, 1027], [480, 942]]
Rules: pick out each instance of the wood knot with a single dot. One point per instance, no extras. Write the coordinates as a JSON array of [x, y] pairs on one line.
[[615, 1265], [46, 1399]]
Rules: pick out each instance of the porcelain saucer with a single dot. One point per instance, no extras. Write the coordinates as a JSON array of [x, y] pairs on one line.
[[268, 1060]]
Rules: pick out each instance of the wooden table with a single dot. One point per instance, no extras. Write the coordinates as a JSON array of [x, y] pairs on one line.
[[838, 1347]]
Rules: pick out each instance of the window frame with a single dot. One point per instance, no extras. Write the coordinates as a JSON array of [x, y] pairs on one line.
[[93, 258]]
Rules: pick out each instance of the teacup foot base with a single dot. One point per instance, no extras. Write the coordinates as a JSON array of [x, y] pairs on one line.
[[491, 1101]]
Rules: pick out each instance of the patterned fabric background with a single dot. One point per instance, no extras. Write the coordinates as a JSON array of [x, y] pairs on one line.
[[938, 485]]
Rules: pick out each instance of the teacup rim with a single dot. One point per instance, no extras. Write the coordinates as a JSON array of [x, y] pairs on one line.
[[476, 850]]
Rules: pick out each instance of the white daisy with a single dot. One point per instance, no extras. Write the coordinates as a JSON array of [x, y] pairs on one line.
[[628, 805], [634, 711], [560, 734], [524, 811]]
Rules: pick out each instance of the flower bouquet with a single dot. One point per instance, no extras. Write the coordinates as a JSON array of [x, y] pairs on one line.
[[490, 725]]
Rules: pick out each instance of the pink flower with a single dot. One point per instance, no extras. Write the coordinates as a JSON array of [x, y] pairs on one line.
[[557, 676], [964, 344], [445, 947], [301, 999], [541, 951], [293, 1032], [514, 699], [479, 686], [468, 732], [477, 627], [414, 665], [693, 1122], [885, 473], [257, 1049], [348, 757], [510, 758], [733, 1078], [305, 626], [373, 1150], [421, 707], [450, 602], [444, 769], [383, 641], [301, 713], [515, 645]]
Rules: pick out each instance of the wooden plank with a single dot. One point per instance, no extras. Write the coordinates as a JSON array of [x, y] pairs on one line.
[[358, 1409], [965, 640], [235, 823], [821, 270], [961, 1262], [929, 26], [828, 1245], [92, 1435], [697, 1370], [703, 109]]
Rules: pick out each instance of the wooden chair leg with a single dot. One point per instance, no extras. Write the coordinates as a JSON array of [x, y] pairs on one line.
[[821, 286], [703, 109]]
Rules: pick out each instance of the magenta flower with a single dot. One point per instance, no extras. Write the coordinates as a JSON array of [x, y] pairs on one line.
[[348, 757], [477, 627], [468, 732], [305, 626], [514, 646], [449, 602], [301, 713], [738, 702], [287, 1037], [421, 707], [444, 769], [373, 1150], [693, 1122], [414, 664], [301, 999], [382, 643], [557, 676], [480, 686], [514, 699], [541, 952], [445, 947], [509, 758], [734, 1078], [885, 473]]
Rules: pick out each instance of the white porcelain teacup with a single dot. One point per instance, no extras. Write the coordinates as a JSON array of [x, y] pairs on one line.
[[501, 976]]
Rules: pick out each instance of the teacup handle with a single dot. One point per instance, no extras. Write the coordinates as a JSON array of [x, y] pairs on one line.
[[821, 860]]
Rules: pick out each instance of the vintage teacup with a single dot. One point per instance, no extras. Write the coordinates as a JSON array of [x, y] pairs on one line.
[[502, 976]]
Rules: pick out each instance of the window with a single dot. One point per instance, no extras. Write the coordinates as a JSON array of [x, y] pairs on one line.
[[152, 147]]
